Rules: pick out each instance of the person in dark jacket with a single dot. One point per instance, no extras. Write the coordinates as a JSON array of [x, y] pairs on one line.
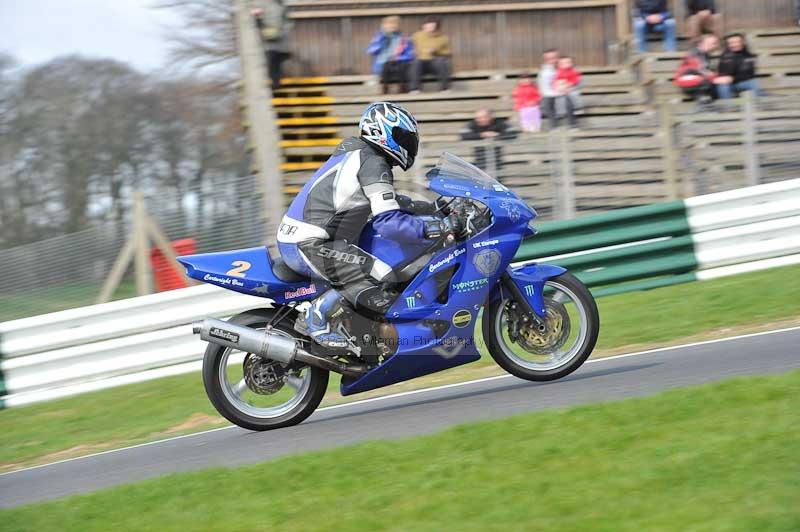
[[272, 21], [486, 126], [653, 16], [702, 18], [737, 68]]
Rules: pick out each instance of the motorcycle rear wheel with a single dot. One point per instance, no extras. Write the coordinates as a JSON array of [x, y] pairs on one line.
[[572, 327], [290, 397]]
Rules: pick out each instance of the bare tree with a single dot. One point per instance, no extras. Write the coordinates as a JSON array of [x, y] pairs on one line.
[[78, 135], [9, 213], [68, 106], [206, 37]]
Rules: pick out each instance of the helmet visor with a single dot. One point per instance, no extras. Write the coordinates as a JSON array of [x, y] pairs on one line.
[[408, 140]]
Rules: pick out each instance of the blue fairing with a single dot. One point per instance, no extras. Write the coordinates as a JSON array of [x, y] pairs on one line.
[[249, 271], [530, 280]]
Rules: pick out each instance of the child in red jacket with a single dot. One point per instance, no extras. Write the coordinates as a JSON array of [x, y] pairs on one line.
[[567, 76], [526, 103], [567, 83]]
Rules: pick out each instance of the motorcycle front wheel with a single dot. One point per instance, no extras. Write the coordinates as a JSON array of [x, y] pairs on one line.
[[553, 348], [256, 393]]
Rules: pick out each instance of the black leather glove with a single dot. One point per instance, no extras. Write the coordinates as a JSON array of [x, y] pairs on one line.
[[434, 228], [418, 207]]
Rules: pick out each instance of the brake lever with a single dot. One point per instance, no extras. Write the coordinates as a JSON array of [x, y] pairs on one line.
[[468, 225]]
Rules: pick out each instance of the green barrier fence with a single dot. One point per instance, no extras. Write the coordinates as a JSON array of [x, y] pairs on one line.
[[629, 249]]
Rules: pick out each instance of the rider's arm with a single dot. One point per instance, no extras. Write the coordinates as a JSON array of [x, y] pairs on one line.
[[419, 207], [389, 220]]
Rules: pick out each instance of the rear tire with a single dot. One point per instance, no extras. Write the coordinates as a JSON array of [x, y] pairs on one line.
[[504, 353], [295, 411]]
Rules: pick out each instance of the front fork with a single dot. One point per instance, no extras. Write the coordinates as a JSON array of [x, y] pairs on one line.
[[526, 285], [528, 312]]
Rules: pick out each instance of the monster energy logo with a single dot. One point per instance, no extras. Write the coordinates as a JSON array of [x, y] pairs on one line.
[[411, 301], [529, 290]]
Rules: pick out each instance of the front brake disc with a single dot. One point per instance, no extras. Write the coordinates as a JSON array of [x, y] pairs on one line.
[[557, 329]]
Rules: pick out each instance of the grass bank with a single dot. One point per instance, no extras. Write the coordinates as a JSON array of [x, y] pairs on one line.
[[172, 406], [717, 457]]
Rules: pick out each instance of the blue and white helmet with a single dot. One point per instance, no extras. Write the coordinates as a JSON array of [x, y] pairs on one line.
[[393, 130]]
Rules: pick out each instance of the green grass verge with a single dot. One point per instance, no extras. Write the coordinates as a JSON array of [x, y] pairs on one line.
[[716, 457], [178, 405]]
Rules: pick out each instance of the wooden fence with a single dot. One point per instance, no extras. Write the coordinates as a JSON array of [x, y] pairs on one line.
[[330, 38]]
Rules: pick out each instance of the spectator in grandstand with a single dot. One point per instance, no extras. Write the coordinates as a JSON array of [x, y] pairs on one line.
[[653, 16], [547, 77], [526, 103], [432, 49], [567, 83], [487, 127], [702, 18], [272, 21], [695, 75], [392, 54], [737, 68]]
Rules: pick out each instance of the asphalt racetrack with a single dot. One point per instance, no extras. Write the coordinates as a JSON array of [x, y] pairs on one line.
[[413, 413]]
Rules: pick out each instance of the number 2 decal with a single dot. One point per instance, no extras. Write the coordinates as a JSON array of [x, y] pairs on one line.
[[241, 266]]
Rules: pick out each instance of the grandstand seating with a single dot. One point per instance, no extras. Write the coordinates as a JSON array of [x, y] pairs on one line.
[[621, 146]]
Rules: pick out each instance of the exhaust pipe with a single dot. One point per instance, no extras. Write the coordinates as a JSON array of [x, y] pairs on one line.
[[269, 345], [263, 343]]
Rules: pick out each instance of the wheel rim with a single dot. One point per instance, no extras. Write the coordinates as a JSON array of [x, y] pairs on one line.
[[238, 392], [567, 329]]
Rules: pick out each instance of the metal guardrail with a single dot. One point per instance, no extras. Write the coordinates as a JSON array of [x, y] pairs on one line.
[[67, 352], [101, 346]]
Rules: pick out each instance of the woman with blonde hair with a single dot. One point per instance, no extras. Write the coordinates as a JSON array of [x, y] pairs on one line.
[[392, 53]]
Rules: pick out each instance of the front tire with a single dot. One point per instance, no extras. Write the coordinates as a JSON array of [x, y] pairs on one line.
[[572, 326], [261, 407]]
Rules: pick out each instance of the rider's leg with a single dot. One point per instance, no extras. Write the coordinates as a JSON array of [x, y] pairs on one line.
[[354, 273], [368, 295]]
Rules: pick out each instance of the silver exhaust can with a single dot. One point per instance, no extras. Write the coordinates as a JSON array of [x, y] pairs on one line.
[[263, 343]]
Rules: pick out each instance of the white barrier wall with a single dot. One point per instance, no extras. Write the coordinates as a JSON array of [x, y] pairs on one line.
[[101, 346], [88, 348], [745, 225]]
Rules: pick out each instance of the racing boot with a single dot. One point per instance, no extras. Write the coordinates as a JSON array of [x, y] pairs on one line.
[[321, 318]]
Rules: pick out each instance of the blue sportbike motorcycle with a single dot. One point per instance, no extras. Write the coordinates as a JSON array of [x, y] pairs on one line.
[[537, 321]]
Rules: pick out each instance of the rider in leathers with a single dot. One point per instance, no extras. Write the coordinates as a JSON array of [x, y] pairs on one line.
[[319, 234]]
